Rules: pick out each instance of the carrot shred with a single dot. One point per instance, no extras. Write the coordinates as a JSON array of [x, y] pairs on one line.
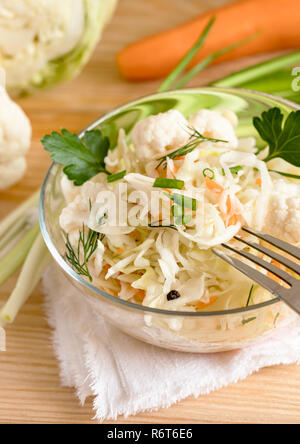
[[258, 182], [211, 185], [120, 250], [232, 220], [228, 205], [201, 305], [139, 295]]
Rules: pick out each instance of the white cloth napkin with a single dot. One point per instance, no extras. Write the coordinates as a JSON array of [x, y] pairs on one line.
[[126, 376]]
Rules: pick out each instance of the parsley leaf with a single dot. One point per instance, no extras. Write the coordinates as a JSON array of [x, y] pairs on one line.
[[283, 139], [83, 159]]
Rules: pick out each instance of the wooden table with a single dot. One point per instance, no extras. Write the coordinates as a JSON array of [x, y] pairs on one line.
[[30, 389]]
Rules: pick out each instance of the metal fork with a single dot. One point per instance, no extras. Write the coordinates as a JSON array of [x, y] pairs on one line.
[[291, 295]]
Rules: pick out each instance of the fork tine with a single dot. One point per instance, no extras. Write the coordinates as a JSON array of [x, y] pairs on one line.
[[284, 246], [261, 279], [272, 254], [286, 277]]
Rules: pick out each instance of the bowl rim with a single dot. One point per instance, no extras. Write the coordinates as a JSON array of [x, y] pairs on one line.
[[126, 304]]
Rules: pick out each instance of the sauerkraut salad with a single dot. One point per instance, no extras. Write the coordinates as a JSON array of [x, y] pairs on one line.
[[207, 184]]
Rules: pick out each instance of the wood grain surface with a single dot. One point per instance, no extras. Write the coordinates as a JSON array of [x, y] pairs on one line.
[[30, 390]]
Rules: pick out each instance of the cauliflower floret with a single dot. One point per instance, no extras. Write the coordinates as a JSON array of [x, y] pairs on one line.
[[68, 189], [11, 172], [231, 117], [155, 135], [283, 216], [212, 124], [77, 212], [15, 129]]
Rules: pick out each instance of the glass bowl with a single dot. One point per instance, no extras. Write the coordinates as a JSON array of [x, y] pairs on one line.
[[200, 332]]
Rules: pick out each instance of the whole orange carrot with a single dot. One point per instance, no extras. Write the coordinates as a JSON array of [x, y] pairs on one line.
[[277, 23]]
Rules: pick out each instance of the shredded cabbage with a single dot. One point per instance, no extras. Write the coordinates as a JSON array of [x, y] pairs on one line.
[[143, 263]]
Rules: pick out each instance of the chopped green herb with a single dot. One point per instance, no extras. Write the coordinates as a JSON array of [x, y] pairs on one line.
[[82, 159], [233, 170], [246, 321], [177, 211], [180, 217], [207, 172], [283, 139], [183, 220], [168, 183], [116, 177], [79, 257], [183, 201], [195, 139]]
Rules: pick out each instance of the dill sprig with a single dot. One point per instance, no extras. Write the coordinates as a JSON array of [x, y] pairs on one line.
[[194, 141], [87, 244]]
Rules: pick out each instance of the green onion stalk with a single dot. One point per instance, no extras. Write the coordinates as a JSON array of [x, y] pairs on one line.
[[21, 243], [275, 76]]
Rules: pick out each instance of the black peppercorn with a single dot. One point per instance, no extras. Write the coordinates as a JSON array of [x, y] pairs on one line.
[[173, 294]]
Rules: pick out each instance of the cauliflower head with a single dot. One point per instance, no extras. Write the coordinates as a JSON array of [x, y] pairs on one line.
[[154, 136], [43, 42], [11, 172], [15, 129], [15, 137], [283, 216]]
